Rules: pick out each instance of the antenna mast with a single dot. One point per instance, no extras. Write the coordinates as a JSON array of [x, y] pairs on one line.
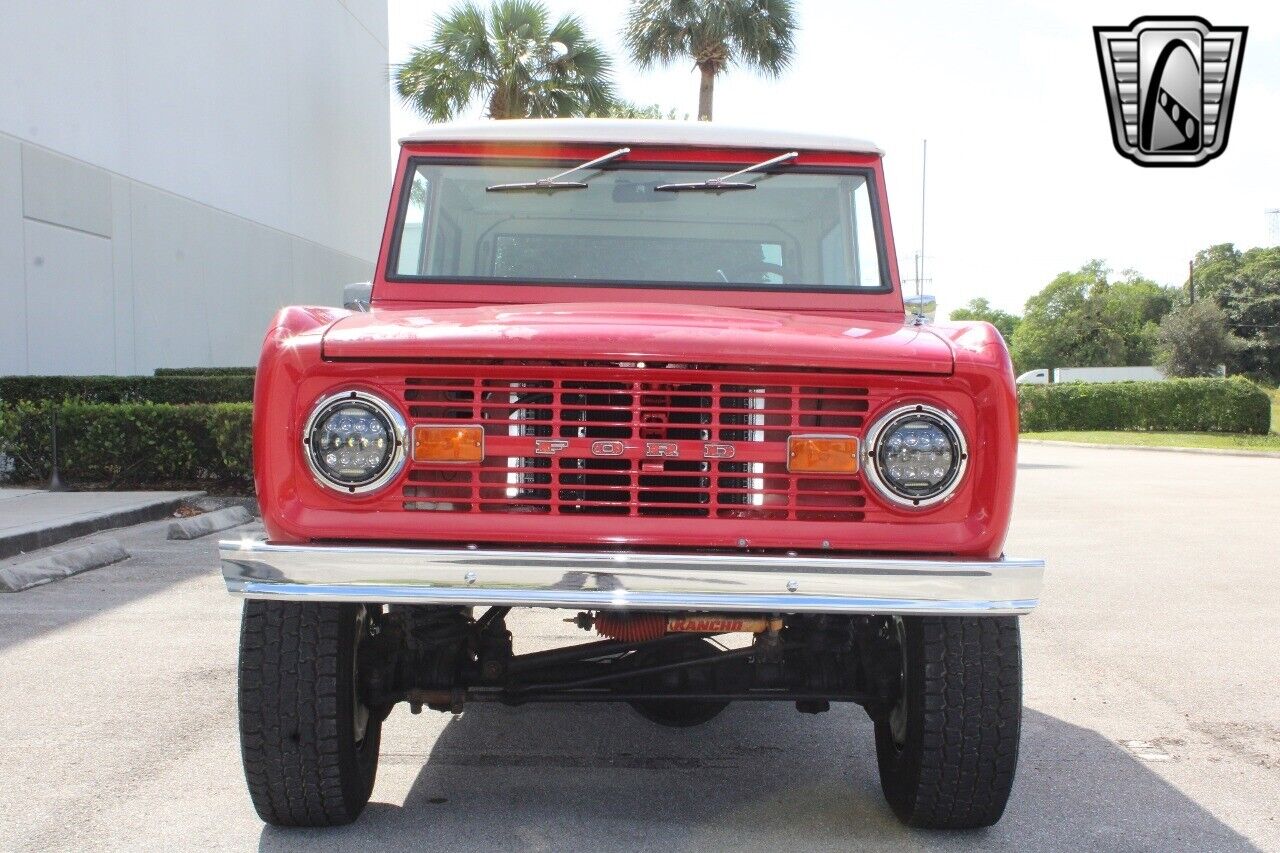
[[924, 165]]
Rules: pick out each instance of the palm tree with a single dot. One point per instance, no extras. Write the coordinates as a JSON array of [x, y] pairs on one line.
[[511, 59], [716, 34]]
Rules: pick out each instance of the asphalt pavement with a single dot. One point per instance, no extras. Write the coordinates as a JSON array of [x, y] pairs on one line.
[[1152, 707]]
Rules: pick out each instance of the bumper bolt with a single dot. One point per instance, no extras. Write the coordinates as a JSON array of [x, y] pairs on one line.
[[469, 577], [793, 585]]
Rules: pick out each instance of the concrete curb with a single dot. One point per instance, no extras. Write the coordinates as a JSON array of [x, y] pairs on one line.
[[1206, 451], [28, 540], [19, 576], [209, 503], [210, 522]]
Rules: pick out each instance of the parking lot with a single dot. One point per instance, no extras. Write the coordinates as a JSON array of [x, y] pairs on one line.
[[1151, 699]]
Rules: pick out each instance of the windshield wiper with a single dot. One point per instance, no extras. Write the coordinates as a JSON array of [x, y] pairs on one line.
[[726, 182], [554, 182]]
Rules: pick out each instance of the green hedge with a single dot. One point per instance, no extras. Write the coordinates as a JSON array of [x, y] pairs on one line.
[[1171, 405], [147, 444], [205, 371], [128, 389]]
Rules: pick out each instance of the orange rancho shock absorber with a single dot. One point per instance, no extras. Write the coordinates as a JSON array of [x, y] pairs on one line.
[[638, 627]]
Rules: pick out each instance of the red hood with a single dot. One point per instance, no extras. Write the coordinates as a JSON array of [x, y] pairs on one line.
[[638, 331]]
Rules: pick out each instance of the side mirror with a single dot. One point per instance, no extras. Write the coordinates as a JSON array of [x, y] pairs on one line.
[[357, 296], [921, 309]]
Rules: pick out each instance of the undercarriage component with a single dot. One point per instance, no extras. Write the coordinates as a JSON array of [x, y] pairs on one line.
[[669, 670], [631, 627], [702, 679], [418, 655], [637, 627]]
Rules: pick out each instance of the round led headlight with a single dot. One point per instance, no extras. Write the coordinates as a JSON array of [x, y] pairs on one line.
[[915, 456], [354, 442]]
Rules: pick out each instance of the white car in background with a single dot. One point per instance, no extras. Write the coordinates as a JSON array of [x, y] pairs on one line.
[[1045, 376]]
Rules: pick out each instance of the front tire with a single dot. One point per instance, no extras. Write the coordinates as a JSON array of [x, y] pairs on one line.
[[947, 751], [309, 746]]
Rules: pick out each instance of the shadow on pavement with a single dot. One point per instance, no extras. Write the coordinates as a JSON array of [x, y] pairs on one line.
[[759, 776], [155, 564]]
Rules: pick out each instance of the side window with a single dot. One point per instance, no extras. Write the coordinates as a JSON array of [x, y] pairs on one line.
[[413, 248], [866, 254]]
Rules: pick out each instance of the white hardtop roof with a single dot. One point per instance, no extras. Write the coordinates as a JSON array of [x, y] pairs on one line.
[[625, 131]]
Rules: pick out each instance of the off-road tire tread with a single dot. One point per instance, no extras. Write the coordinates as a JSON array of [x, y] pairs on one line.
[[972, 712], [298, 771]]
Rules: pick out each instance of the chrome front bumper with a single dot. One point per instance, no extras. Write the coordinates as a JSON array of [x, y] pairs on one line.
[[630, 580]]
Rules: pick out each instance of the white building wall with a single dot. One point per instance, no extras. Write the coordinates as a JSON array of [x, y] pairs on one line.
[[172, 173]]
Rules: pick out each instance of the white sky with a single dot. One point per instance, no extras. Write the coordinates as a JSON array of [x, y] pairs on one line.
[[1023, 179]]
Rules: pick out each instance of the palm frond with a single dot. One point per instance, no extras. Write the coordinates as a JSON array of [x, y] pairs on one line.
[[442, 78], [763, 34], [660, 31], [463, 36], [435, 86], [511, 58], [758, 34], [519, 32]]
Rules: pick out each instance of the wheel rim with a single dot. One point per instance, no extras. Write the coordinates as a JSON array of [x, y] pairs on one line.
[[359, 711], [898, 714]]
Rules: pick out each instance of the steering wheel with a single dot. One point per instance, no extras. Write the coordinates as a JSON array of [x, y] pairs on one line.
[[757, 273]]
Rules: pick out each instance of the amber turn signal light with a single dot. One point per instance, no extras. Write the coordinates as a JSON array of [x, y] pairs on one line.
[[448, 444], [822, 454]]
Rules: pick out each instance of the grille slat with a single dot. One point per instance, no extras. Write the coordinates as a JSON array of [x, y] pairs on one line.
[[634, 440]]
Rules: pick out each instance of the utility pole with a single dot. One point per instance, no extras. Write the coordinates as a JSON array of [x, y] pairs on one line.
[[1191, 279]]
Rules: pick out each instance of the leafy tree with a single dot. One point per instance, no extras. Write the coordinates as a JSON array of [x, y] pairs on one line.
[[629, 109], [1082, 319], [1249, 295], [715, 34], [1213, 266], [512, 59], [980, 309], [1141, 298], [1194, 341]]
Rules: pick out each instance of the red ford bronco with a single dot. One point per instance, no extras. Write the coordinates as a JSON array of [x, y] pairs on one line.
[[659, 375]]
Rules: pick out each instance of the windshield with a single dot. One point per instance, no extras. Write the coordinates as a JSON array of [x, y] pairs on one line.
[[793, 230]]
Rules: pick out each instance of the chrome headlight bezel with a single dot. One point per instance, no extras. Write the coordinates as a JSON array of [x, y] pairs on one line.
[[884, 424], [397, 430]]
